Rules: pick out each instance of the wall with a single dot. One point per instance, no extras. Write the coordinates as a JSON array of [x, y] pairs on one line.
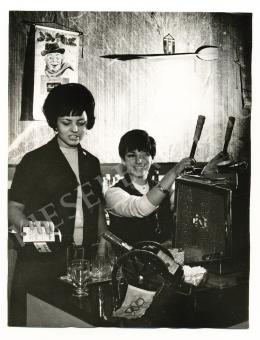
[[163, 97]]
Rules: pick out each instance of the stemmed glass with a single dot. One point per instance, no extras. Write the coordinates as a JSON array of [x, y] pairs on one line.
[[80, 275]]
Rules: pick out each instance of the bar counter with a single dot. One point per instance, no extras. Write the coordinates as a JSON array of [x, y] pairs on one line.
[[53, 305]]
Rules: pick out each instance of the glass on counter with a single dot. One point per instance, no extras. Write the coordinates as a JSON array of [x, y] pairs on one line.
[[73, 252], [102, 260], [80, 275]]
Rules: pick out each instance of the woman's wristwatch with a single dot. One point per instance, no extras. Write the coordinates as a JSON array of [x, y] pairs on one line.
[[162, 189]]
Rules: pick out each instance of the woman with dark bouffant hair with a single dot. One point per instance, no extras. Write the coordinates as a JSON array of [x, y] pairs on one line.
[[139, 208], [58, 185]]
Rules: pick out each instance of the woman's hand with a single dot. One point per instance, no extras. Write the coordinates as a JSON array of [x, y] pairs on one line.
[[18, 220], [47, 225], [212, 166], [184, 163]]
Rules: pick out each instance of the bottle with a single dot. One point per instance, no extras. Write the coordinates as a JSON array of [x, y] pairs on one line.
[[175, 270], [107, 218], [116, 241], [108, 178], [168, 44], [42, 243], [156, 176], [106, 183], [117, 178]]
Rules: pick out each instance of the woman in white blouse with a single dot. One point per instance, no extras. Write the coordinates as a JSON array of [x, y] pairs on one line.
[[140, 209]]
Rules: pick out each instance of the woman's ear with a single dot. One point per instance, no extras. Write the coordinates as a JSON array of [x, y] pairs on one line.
[[122, 161]]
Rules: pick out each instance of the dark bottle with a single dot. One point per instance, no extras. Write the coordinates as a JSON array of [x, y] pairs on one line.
[[168, 44], [116, 241], [174, 269], [156, 176], [42, 243]]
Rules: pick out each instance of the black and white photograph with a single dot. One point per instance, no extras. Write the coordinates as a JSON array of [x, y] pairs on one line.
[[129, 169]]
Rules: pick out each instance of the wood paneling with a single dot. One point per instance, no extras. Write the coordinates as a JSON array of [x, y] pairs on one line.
[[162, 97]]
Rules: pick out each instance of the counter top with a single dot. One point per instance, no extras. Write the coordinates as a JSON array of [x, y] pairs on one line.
[[200, 307]]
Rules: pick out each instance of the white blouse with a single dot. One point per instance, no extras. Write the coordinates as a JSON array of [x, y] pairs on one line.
[[123, 204], [72, 157]]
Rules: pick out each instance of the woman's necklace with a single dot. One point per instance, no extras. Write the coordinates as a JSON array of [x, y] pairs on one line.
[[143, 188]]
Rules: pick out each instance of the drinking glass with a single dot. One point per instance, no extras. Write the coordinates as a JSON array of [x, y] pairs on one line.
[[80, 275], [74, 252], [101, 262]]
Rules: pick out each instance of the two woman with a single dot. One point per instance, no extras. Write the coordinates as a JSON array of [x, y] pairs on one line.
[[58, 185], [139, 208]]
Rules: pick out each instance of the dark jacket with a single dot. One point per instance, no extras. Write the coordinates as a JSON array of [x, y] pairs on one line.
[[158, 226], [47, 186]]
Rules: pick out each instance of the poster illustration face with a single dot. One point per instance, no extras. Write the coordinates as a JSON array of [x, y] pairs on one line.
[[56, 62]]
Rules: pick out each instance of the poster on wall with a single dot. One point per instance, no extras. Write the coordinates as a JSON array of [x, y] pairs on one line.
[[56, 62]]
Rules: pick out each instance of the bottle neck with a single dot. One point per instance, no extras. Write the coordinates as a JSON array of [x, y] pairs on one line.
[[117, 241]]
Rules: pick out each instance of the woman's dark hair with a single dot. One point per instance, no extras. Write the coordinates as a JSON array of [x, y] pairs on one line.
[[69, 100], [136, 140]]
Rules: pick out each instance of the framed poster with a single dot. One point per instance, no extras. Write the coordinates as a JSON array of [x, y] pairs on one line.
[[55, 62]]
